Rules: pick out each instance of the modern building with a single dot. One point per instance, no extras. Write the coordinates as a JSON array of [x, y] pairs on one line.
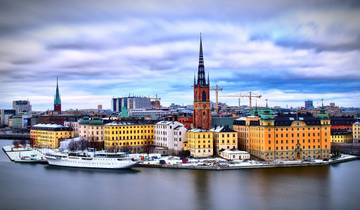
[[91, 129], [200, 143], [21, 106], [5, 114], [356, 132], [235, 155], [129, 103], [129, 136], [49, 135], [153, 114], [57, 100], [170, 135], [309, 105], [202, 115], [285, 137], [20, 121], [224, 139], [341, 136]]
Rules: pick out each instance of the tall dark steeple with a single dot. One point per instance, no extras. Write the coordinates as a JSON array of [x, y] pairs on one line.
[[202, 115], [57, 100], [201, 68]]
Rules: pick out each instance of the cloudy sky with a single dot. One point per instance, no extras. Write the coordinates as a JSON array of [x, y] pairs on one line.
[[286, 50]]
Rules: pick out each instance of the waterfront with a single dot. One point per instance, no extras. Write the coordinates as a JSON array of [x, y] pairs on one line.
[[26, 186]]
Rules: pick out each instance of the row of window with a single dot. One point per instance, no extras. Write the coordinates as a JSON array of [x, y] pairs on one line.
[[128, 137]]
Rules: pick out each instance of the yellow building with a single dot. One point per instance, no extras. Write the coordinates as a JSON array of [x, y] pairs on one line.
[[241, 126], [356, 132], [286, 137], [128, 136], [224, 139], [200, 143], [49, 135], [341, 136]]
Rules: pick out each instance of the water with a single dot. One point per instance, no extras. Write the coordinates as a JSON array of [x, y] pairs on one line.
[[38, 187]]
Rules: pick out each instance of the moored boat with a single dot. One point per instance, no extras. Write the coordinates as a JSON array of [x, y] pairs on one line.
[[100, 160]]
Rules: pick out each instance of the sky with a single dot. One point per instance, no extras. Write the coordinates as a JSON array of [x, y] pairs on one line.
[[287, 51]]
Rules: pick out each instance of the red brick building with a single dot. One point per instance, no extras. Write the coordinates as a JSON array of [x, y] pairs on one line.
[[202, 115]]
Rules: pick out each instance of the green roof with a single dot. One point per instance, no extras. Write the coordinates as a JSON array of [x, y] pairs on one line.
[[264, 113], [89, 121]]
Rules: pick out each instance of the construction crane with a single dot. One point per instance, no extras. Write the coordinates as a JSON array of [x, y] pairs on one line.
[[217, 89], [250, 96]]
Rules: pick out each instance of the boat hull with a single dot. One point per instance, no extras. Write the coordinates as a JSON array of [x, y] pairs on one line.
[[96, 163]]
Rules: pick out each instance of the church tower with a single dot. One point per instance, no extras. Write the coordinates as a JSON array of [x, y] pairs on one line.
[[57, 100], [201, 115]]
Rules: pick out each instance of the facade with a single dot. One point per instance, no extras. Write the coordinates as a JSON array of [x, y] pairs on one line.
[[200, 143], [342, 123], [21, 106], [286, 137], [202, 115], [241, 126], [356, 132], [309, 105], [170, 135], [134, 136], [21, 121], [5, 114], [91, 129], [74, 125], [49, 135], [341, 136], [128, 103], [148, 113], [224, 139], [186, 121], [235, 155], [57, 100]]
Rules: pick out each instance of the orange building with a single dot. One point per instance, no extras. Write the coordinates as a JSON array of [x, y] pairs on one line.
[[286, 137]]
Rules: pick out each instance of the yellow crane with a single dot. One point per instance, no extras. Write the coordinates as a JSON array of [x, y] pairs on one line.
[[250, 96], [217, 89]]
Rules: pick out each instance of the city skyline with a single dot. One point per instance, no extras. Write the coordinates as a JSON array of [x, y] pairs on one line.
[[286, 51]]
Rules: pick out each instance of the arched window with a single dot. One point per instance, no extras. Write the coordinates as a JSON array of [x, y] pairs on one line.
[[203, 96]]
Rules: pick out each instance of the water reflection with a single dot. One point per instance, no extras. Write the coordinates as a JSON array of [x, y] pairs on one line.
[[201, 189], [24, 185], [89, 170]]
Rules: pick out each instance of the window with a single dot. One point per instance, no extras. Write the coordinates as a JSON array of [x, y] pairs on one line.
[[203, 96]]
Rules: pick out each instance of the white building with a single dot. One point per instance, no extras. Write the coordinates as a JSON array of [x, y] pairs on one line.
[[235, 155], [170, 135], [21, 106]]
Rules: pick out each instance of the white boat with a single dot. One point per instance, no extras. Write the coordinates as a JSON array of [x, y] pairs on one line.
[[100, 160]]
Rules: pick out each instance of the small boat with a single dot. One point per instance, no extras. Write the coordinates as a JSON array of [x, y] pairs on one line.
[[99, 160]]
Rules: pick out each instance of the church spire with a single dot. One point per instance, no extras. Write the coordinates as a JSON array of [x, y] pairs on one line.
[[201, 68], [57, 100]]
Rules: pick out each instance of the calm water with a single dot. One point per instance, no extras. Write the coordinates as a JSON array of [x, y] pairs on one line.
[[37, 187]]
